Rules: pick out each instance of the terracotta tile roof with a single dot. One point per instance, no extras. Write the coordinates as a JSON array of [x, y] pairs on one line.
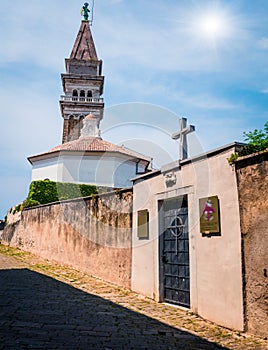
[[93, 144]]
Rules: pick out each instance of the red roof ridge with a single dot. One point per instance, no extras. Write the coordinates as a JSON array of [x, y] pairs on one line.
[[94, 144]]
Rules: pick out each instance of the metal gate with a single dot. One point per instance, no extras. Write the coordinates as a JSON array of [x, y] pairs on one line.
[[174, 252]]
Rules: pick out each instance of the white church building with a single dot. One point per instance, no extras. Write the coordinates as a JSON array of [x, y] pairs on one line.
[[84, 157]]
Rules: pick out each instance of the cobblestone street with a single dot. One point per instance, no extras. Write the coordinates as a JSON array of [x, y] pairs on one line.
[[47, 306]]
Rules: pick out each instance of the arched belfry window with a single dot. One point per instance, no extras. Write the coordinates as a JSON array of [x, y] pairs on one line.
[[82, 93], [75, 93], [89, 93]]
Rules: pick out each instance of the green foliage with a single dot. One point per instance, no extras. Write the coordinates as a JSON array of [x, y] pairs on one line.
[[88, 190], [29, 203], [43, 192], [257, 140], [233, 158], [16, 209], [46, 191]]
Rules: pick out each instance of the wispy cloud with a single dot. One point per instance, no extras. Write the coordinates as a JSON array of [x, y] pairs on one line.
[[132, 39], [206, 100], [37, 34], [169, 45]]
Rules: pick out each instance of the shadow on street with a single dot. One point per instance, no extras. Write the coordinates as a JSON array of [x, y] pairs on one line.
[[38, 312]]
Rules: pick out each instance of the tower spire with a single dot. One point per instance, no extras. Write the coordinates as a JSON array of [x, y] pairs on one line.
[[84, 47], [82, 84]]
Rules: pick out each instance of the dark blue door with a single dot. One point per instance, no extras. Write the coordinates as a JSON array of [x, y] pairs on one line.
[[174, 252]]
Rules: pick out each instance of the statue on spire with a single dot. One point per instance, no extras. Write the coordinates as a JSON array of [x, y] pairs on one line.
[[85, 11]]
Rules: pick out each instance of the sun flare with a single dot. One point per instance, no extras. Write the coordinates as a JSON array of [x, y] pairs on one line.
[[213, 24]]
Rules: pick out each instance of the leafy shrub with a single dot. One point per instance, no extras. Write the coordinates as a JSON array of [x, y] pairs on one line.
[[46, 191], [29, 203], [43, 191], [257, 140], [233, 158]]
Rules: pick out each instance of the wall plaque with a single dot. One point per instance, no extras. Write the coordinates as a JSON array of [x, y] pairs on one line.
[[209, 215], [143, 224]]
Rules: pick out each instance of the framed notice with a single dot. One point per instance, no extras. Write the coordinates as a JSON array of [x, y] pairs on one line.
[[209, 215], [143, 224]]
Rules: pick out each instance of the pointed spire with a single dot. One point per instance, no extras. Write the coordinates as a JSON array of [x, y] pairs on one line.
[[84, 47], [83, 87]]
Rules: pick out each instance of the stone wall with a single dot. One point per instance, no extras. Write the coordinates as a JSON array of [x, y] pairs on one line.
[[92, 234], [252, 175]]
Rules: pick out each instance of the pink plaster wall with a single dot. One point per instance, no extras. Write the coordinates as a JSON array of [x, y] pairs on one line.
[[92, 235]]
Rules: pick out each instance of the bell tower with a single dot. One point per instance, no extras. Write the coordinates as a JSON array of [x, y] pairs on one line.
[[82, 85]]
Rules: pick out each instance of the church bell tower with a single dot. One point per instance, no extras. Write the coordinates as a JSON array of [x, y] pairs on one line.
[[82, 85]]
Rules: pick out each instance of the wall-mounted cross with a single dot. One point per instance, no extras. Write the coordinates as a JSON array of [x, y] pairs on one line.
[[182, 135]]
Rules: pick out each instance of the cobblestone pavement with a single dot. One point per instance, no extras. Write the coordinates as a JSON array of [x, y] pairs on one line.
[[47, 306]]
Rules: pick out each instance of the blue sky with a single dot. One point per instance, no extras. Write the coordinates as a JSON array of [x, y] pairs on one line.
[[206, 60]]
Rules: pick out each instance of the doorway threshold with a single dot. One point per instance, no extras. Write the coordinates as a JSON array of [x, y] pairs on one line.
[[183, 308]]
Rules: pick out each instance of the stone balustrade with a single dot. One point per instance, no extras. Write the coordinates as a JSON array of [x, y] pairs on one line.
[[81, 99]]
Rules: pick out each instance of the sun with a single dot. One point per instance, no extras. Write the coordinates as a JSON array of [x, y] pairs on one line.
[[213, 26]]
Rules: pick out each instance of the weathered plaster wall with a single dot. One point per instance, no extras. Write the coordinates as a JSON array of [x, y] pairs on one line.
[[93, 234], [252, 174]]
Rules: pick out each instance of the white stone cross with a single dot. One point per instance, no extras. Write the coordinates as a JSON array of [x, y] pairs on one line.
[[182, 135]]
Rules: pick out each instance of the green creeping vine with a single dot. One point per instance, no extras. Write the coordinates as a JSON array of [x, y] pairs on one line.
[[46, 191]]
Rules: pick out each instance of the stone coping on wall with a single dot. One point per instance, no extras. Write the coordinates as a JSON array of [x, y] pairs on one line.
[[252, 155]]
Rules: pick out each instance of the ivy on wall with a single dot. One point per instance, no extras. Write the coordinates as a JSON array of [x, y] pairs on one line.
[[46, 191]]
